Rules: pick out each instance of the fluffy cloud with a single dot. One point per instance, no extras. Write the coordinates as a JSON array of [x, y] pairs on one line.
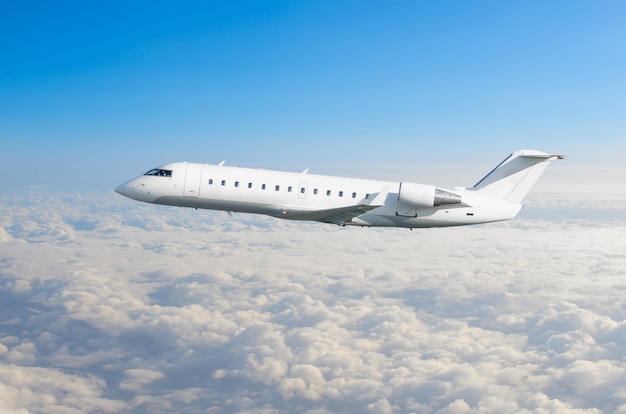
[[111, 305]]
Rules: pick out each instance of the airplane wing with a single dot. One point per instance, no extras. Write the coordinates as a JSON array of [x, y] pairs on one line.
[[343, 214]]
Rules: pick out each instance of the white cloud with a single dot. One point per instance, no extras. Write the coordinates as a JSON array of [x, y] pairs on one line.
[[36, 389], [111, 305], [138, 378]]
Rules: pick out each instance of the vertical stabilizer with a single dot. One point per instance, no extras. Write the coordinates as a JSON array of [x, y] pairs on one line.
[[513, 178]]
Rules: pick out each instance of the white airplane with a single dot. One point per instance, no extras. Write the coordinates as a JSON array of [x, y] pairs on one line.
[[339, 200]]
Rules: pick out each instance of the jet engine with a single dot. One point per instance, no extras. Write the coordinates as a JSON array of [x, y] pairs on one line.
[[424, 195]]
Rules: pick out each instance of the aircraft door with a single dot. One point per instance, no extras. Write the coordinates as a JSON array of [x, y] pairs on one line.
[[302, 189], [192, 180]]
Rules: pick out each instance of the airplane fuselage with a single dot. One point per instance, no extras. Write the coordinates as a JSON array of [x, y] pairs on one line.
[[303, 196]]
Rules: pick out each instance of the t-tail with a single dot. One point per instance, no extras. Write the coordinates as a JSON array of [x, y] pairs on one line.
[[514, 177]]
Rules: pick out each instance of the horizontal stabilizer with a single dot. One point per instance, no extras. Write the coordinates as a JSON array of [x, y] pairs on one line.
[[542, 156]]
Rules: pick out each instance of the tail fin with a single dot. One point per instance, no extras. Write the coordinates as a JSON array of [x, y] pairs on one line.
[[513, 178]]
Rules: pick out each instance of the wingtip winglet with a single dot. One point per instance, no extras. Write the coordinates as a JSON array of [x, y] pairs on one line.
[[380, 198]]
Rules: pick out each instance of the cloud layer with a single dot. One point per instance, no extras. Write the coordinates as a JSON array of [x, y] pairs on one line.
[[110, 305]]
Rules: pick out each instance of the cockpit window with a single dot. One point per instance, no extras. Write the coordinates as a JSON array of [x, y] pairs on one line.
[[160, 173]]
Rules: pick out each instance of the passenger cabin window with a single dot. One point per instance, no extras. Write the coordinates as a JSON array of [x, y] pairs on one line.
[[353, 195], [341, 194], [289, 189], [315, 191], [277, 188], [210, 181], [327, 192], [159, 173], [236, 183], [223, 182], [249, 185], [263, 187]]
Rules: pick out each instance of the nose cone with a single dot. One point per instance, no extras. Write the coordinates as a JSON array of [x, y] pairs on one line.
[[122, 189], [129, 189], [136, 189]]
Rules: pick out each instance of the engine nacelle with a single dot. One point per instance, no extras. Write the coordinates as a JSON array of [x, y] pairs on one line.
[[443, 197], [425, 196]]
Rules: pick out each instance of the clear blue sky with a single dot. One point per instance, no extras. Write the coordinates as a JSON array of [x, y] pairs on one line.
[[92, 93]]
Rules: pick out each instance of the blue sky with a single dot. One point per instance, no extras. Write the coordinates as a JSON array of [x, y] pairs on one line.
[[93, 93]]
